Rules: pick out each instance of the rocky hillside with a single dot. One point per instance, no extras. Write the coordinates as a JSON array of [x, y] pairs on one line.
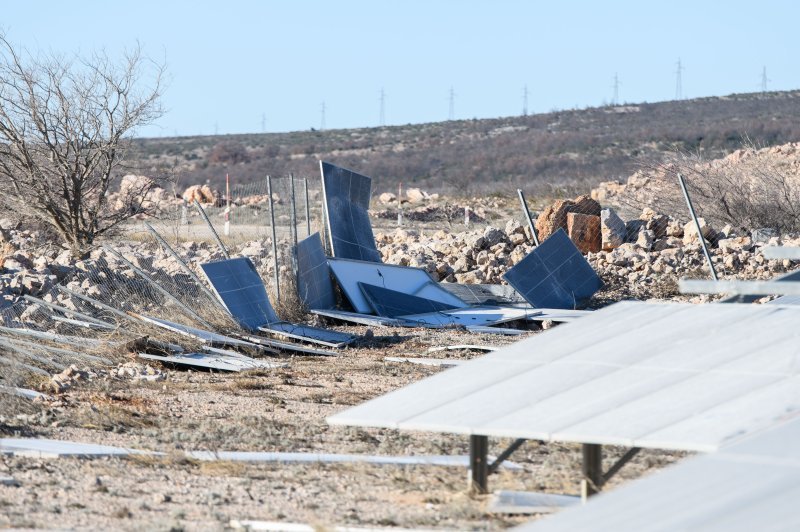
[[543, 152]]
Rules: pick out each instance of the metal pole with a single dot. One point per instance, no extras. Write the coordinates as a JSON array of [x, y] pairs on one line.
[[185, 267], [203, 214], [308, 207], [98, 304], [592, 469], [528, 215], [80, 315], [479, 463], [274, 239], [293, 232], [697, 226], [158, 288]]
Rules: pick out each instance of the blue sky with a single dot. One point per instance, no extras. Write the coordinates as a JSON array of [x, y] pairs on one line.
[[233, 63]]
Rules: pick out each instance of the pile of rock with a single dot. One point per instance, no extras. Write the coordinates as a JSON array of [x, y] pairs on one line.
[[202, 193]]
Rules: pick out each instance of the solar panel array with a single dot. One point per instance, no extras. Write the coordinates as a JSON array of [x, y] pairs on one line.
[[314, 284], [554, 275], [347, 196], [751, 485], [669, 376], [238, 285]]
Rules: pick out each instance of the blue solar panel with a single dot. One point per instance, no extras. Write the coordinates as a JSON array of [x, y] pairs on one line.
[[392, 304], [554, 275], [242, 291], [347, 197], [314, 284]]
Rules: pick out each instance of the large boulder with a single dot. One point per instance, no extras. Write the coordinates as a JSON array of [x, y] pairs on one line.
[[554, 217], [612, 229], [201, 193], [584, 231]]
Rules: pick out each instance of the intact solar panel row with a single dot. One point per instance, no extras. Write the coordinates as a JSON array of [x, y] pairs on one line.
[[751, 485], [667, 376], [347, 196]]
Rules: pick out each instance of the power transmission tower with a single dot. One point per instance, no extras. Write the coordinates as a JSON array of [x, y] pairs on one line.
[[525, 101], [216, 129], [452, 112], [382, 119], [616, 85], [678, 81], [263, 122], [764, 80], [322, 117]]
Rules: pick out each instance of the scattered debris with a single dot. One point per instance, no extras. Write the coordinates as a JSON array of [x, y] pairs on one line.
[[529, 502], [425, 361]]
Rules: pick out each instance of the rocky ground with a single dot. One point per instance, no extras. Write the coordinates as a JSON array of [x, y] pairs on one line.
[[156, 408]]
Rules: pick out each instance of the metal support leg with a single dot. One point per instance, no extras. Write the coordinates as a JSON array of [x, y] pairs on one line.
[[478, 463], [592, 469]]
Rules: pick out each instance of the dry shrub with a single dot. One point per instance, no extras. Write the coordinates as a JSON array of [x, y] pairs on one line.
[[748, 189]]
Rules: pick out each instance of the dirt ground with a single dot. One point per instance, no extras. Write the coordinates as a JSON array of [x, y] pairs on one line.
[[276, 410]]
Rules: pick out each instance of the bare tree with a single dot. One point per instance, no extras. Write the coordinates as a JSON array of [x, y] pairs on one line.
[[65, 125]]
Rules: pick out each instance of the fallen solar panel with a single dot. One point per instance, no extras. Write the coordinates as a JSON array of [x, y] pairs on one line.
[[411, 281], [212, 361], [529, 502], [554, 275], [346, 197], [393, 304], [241, 290], [314, 284]]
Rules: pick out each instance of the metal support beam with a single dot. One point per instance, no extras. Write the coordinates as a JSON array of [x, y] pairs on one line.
[[70, 312], [592, 469], [627, 457], [527, 213], [98, 304], [185, 267], [478, 463], [697, 226], [205, 218], [505, 454], [308, 208], [274, 240]]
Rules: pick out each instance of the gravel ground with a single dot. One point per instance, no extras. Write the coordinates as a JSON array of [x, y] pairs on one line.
[[279, 410]]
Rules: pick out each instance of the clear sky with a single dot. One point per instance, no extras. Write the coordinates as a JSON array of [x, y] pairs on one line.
[[234, 65]]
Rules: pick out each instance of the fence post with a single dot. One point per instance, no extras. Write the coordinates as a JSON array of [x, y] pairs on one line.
[[203, 214], [697, 226], [274, 239], [308, 207], [528, 216]]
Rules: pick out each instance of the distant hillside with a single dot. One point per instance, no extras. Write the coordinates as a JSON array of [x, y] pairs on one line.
[[469, 157]]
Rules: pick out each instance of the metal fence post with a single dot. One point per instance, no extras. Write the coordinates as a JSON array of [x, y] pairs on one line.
[[274, 239], [528, 216], [308, 207], [697, 226]]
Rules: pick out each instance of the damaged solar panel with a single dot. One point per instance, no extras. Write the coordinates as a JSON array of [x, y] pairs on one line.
[[347, 197]]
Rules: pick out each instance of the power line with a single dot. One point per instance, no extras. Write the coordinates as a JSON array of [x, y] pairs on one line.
[[322, 117], [525, 101], [452, 112], [679, 81], [382, 118]]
